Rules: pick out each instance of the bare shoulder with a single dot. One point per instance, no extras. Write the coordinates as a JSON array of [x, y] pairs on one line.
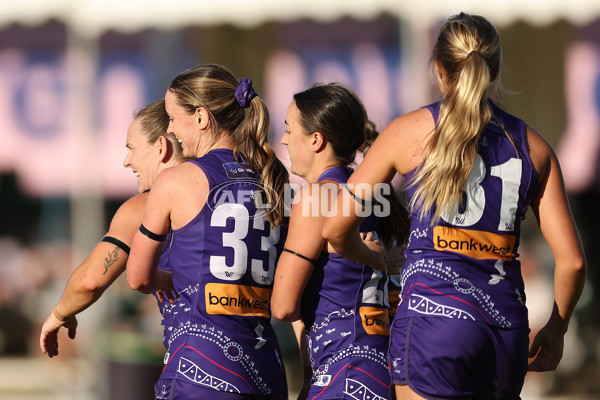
[[178, 195], [317, 191], [128, 218], [541, 153], [135, 204], [182, 172], [183, 178], [306, 221], [413, 123], [408, 135], [313, 198], [305, 195]]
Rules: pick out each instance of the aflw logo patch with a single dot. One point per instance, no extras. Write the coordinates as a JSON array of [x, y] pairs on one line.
[[475, 244], [222, 298]]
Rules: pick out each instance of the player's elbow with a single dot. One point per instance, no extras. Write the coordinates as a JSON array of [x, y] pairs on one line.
[[285, 312], [137, 282], [333, 235], [573, 268], [92, 285], [579, 265], [574, 262]]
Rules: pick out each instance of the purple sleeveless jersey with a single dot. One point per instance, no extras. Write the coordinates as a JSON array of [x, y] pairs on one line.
[[222, 264], [465, 266], [345, 310]]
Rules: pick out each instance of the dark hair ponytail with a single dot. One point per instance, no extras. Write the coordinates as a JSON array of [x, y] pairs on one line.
[[337, 113]]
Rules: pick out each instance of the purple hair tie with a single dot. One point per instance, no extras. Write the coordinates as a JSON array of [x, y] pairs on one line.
[[244, 92]]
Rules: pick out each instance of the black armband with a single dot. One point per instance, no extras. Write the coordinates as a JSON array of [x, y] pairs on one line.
[[301, 256], [152, 235], [117, 243], [355, 197]]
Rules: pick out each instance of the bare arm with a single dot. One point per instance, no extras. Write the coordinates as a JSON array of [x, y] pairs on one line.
[[293, 272], [145, 251], [177, 196], [299, 331], [397, 149], [89, 281], [556, 222]]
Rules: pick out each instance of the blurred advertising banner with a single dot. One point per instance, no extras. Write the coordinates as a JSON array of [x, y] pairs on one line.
[[66, 107], [66, 102]]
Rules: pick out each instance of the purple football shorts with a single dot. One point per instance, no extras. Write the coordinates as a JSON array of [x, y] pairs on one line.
[[171, 389], [444, 358]]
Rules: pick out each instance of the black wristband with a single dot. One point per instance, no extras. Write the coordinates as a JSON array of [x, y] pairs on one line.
[[152, 235]]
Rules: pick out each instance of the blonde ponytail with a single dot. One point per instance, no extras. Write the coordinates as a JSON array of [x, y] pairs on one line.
[[469, 55]]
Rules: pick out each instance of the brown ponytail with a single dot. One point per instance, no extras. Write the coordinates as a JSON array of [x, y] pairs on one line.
[[337, 112], [213, 87], [252, 140]]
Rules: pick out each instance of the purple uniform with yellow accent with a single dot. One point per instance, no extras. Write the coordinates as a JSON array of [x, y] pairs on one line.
[[345, 310], [222, 264], [465, 267], [461, 328]]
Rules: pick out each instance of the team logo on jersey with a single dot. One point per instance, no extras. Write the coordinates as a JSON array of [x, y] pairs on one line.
[[481, 245], [375, 321], [237, 171], [226, 299]]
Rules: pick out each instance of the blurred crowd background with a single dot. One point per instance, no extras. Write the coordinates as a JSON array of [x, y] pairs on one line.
[[73, 72]]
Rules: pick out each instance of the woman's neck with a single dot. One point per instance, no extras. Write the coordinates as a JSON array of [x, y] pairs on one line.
[[320, 169], [225, 141]]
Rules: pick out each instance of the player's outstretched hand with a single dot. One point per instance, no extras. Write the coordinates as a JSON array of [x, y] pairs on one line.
[[49, 334]]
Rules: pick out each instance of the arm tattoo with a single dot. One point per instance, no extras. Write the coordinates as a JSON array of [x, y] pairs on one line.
[[112, 258]]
